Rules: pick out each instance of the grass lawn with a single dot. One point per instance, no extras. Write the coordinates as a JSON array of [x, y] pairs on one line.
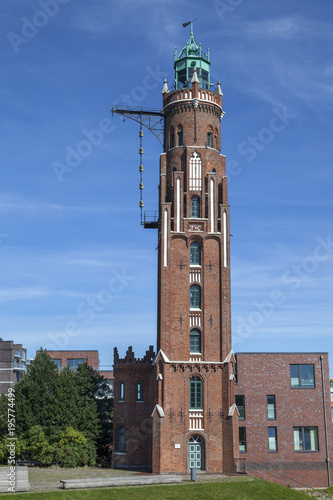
[[253, 490]]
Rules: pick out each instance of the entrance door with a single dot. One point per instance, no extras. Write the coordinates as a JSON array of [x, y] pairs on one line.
[[195, 453]]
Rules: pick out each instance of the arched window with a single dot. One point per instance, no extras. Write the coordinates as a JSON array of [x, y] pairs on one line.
[[195, 297], [121, 439], [195, 254], [209, 140], [195, 393], [195, 341], [180, 136], [195, 207], [172, 138], [195, 172]]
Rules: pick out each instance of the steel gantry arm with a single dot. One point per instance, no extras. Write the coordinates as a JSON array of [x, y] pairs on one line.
[[152, 119]]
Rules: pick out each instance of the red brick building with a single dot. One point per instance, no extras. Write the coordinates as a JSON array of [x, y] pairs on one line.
[[187, 388], [285, 415], [72, 359], [176, 409]]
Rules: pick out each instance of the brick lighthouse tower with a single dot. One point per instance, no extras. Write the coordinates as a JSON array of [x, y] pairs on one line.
[[187, 417]]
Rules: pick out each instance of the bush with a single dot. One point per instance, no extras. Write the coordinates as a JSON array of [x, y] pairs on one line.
[[37, 446], [74, 450]]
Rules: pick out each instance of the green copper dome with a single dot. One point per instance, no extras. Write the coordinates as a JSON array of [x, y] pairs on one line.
[[192, 56]]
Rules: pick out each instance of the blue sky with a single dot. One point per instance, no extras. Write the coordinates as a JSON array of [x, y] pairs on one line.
[[77, 269]]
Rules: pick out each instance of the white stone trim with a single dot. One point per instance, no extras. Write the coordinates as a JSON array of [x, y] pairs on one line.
[[165, 249], [225, 256]]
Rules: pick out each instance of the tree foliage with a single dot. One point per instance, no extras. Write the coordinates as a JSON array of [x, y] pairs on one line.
[[58, 416]]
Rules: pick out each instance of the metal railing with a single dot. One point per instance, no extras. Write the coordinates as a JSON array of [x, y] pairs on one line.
[[243, 466]]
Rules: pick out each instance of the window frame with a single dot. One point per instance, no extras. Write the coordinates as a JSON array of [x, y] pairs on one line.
[[139, 392], [196, 253], [196, 334], [274, 429], [121, 440], [209, 139], [75, 362], [180, 137], [270, 404], [195, 207], [196, 290], [304, 438], [241, 407], [195, 393], [301, 384], [243, 441], [121, 392]]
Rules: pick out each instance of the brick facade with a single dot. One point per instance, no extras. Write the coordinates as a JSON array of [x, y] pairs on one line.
[[263, 374], [89, 357]]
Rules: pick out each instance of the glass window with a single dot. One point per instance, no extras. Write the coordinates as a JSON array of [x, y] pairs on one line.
[[272, 439], [195, 341], [271, 410], [172, 139], [302, 376], [180, 137], [74, 363], [209, 139], [195, 297], [121, 439], [195, 393], [121, 391], [139, 391], [240, 403], [195, 254], [242, 439], [306, 439], [57, 362], [195, 207]]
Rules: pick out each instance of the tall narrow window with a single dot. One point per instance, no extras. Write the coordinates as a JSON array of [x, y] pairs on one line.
[[209, 139], [271, 411], [121, 439], [180, 136], [195, 207], [172, 138], [195, 254], [195, 172], [195, 341], [195, 393], [195, 297], [139, 391], [240, 403], [242, 439], [272, 439], [121, 391]]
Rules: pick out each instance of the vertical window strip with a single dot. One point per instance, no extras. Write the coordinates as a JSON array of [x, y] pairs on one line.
[[225, 256], [165, 249], [178, 205], [212, 215]]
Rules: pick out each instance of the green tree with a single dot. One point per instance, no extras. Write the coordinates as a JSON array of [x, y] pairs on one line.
[[35, 396], [49, 402], [74, 449]]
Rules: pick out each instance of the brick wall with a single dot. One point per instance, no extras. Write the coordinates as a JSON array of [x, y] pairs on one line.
[[90, 357], [262, 374]]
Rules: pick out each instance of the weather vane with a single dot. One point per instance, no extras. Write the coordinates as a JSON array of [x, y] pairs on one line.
[[189, 22]]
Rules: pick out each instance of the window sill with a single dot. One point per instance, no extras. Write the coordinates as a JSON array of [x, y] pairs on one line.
[[306, 451], [139, 401], [120, 452]]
